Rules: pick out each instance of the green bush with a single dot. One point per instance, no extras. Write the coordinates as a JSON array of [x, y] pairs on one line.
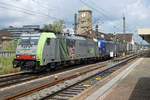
[[6, 65], [10, 45], [57, 26]]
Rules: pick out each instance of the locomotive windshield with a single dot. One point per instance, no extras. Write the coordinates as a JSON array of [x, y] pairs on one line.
[[28, 41]]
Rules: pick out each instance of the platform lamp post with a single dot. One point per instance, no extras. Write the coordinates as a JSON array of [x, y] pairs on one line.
[[117, 40], [75, 23], [96, 30], [124, 41], [114, 38]]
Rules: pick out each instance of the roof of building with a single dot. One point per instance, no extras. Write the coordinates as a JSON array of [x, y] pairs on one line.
[[84, 8], [144, 33], [100, 35], [128, 37], [5, 33]]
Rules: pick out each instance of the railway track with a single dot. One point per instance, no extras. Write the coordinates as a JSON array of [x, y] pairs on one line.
[[17, 78], [13, 79], [8, 75], [71, 90], [74, 90]]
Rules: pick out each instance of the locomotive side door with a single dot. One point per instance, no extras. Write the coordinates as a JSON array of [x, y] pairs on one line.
[[50, 50]]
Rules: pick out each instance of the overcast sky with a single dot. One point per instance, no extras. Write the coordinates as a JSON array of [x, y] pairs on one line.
[[106, 13]]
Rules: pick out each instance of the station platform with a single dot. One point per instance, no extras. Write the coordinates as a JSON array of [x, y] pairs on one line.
[[133, 85]]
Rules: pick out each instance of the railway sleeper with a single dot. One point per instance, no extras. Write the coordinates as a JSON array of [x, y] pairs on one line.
[[80, 87], [64, 95], [60, 97], [77, 89], [66, 92], [72, 90]]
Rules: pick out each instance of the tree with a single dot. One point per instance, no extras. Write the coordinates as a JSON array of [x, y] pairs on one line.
[[56, 26], [10, 45]]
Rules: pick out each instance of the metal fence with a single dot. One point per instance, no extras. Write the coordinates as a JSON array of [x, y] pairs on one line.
[[4, 53]]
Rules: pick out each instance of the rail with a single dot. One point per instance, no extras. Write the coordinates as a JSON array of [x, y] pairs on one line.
[[96, 70], [49, 84]]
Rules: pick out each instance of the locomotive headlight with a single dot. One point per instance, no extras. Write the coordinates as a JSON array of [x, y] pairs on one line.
[[18, 56], [33, 56]]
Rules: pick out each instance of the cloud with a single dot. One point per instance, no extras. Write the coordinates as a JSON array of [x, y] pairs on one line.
[[110, 12], [22, 12], [19, 12]]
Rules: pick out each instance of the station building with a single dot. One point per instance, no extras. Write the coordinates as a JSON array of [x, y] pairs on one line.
[[5, 36], [144, 33], [17, 31]]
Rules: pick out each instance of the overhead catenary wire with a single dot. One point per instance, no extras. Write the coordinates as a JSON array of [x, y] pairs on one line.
[[100, 11], [23, 10], [48, 9], [96, 20], [1, 6], [41, 5], [91, 8], [103, 10], [15, 8]]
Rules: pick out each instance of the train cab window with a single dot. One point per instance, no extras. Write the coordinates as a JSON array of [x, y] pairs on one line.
[[48, 41]]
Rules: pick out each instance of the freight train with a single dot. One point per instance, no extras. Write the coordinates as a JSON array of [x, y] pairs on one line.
[[46, 50]]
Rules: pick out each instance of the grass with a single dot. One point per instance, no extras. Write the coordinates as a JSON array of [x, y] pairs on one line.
[[6, 65]]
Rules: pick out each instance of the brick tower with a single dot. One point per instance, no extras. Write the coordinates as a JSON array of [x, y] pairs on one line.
[[84, 20]]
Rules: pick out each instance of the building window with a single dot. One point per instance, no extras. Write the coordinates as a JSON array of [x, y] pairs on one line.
[[83, 14], [82, 22], [83, 27]]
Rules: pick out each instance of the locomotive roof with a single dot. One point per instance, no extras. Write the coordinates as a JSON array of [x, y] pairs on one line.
[[26, 34], [72, 37], [67, 36]]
